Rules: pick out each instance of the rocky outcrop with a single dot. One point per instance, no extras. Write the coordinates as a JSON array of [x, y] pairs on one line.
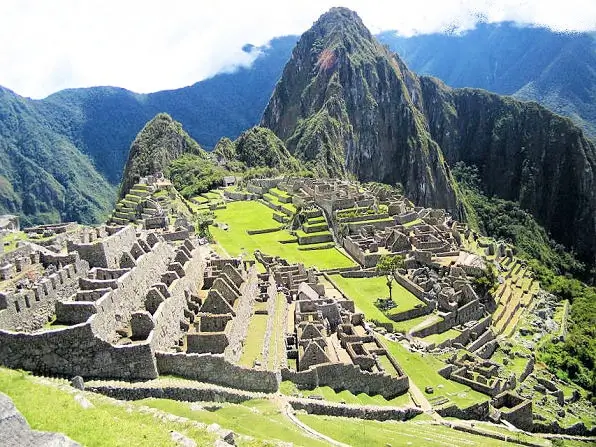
[[15, 431], [524, 153]]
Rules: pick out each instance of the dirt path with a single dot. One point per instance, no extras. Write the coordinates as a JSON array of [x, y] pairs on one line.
[[288, 411]]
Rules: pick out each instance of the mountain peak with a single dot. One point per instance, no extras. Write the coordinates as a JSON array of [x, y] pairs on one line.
[[161, 140]]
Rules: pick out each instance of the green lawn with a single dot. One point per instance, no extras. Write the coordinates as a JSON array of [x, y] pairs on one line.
[[12, 239], [275, 201], [48, 408], [443, 336], [358, 432], [422, 370], [258, 418], [277, 342], [252, 215], [253, 345], [288, 388], [365, 291], [279, 192]]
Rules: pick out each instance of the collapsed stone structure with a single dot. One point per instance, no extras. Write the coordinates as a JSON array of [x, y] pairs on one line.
[[330, 344], [128, 295]]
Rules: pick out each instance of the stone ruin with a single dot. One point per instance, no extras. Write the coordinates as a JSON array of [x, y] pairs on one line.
[[105, 310], [330, 343]]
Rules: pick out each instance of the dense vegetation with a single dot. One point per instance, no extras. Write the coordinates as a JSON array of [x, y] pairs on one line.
[[530, 63], [255, 153], [43, 176], [61, 158], [575, 357], [161, 141]]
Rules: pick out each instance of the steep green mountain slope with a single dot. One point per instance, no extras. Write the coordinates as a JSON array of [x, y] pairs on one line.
[[524, 153], [351, 106], [61, 158], [343, 103], [256, 152], [103, 121], [43, 175], [161, 141], [557, 70]]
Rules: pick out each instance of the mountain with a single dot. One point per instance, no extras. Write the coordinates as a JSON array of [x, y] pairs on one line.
[[343, 103], [62, 158], [558, 70], [161, 141], [44, 177], [346, 103]]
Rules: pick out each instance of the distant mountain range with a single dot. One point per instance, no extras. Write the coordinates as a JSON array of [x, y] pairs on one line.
[[558, 70], [61, 158]]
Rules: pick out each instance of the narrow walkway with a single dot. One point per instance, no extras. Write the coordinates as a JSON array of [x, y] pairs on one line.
[[289, 413]]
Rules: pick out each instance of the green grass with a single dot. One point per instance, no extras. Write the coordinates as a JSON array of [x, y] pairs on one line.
[[422, 370], [414, 222], [12, 239], [365, 291], [513, 434], [48, 408], [328, 394], [252, 215], [277, 341], [253, 345], [275, 201], [258, 418], [358, 432], [279, 192], [440, 338]]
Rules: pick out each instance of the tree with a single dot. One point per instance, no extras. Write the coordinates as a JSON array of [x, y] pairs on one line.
[[387, 265]]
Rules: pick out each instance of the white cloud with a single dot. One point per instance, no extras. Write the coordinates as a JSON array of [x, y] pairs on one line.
[[150, 45]]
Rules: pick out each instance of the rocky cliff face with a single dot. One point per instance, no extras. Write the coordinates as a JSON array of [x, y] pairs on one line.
[[347, 104], [157, 144], [343, 104], [524, 153]]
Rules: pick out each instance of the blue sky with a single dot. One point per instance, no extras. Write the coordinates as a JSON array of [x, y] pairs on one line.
[[153, 45]]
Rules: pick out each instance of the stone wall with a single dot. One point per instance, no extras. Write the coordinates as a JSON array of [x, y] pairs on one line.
[[477, 412], [30, 309], [355, 411], [484, 338], [215, 369], [106, 252], [133, 286], [183, 394], [410, 286], [412, 313], [239, 325], [167, 317], [11, 256], [75, 351], [341, 376]]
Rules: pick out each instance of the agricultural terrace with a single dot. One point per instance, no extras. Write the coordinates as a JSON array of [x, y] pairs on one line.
[[252, 215], [417, 432]]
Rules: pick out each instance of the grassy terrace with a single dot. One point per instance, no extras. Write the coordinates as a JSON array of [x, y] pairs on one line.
[[277, 342], [328, 394], [274, 200], [253, 215], [417, 432], [422, 370], [365, 291], [49, 408], [444, 336], [253, 344], [261, 419], [279, 192]]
